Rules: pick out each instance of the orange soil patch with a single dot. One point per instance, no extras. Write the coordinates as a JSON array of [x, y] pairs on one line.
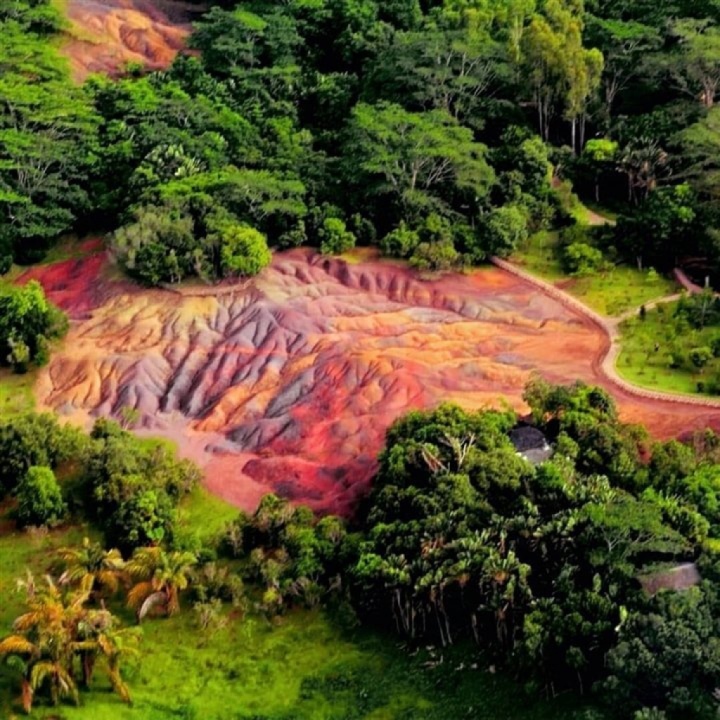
[[288, 383], [107, 34]]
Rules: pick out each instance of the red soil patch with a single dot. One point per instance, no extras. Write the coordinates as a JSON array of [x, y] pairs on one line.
[[288, 383], [107, 34]]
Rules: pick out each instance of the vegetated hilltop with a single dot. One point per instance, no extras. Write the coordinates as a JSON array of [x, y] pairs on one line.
[[287, 382]]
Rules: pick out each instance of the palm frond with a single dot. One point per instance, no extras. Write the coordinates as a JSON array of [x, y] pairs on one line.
[[16, 645], [138, 593]]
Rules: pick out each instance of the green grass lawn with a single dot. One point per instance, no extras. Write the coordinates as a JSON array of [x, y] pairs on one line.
[[305, 665], [203, 513], [640, 363], [609, 293]]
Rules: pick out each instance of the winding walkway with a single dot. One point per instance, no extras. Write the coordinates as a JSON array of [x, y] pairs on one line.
[[607, 362]]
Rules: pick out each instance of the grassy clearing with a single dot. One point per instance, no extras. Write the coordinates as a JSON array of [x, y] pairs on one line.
[[640, 363], [301, 668], [610, 293], [204, 514], [305, 665], [16, 395]]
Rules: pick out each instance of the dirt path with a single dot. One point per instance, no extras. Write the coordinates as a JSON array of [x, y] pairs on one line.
[[606, 364], [596, 219]]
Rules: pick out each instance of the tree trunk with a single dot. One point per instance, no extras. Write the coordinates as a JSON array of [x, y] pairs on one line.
[[540, 116]]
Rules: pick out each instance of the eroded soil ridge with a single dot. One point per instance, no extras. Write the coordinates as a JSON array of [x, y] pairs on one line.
[[287, 383], [107, 34]]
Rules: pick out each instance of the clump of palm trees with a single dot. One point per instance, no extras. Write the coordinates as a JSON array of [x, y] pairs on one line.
[[67, 632], [61, 639]]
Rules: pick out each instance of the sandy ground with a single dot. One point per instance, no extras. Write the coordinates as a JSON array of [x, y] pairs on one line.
[[287, 383]]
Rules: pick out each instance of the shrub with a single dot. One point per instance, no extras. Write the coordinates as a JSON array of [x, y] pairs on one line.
[[363, 230], [700, 357], [581, 259], [699, 310], [505, 228], [334, 236], [158, 246], [27, 322], [34, 439], [435, 256], [244, 250], [40, 500], [400, 243], [146, 518], [132, 490]]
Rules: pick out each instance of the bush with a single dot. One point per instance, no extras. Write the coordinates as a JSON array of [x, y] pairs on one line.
[[146, 518], [158, 246], [700, 357], [576, 233], [435, 256], [40, 500], [699, 310], [581, 259], [132, 490], [334, 236], [400, 243], [244, 250], [27, 322], [363, 230], [34, 439], [505, 228]]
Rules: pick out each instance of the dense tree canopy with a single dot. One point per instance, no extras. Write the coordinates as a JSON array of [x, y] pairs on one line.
[[293, 118]]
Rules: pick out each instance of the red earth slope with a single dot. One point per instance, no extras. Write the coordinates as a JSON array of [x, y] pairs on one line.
[[288, 382]]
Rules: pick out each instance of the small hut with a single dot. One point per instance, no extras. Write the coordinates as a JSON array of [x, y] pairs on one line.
[[530, 443]]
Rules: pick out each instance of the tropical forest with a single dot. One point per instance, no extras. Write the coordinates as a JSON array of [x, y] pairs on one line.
[[360, 359]]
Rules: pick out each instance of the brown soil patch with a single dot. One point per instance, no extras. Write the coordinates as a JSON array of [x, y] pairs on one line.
[[107, 34], [287, 383]]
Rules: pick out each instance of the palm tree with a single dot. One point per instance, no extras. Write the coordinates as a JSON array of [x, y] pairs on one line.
[[643, 161], [159, 578], [55, 629], [98, 637], [43, 640], [92, 568]]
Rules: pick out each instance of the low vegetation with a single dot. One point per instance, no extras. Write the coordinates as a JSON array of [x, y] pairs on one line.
[[608, 287], [674, 347], [29, 323], [463, 543]]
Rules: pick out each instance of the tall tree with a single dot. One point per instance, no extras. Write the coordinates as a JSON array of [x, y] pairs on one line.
[[696, 65], [416, 156]]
